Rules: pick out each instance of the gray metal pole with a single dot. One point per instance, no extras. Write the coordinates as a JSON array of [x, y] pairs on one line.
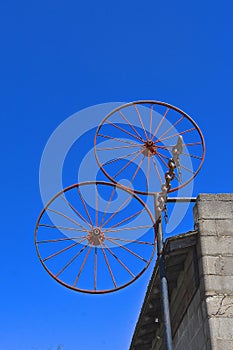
[[163, 282], [181, 199]]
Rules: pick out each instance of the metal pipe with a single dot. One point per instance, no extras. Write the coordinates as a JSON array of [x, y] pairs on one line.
[[163, 281], [181, 199]]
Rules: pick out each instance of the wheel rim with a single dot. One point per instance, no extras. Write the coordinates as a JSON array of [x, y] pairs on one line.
[[88, 238], [138, 139]]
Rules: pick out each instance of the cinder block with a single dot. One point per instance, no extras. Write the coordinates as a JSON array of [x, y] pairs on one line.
[[224, 227], [215, 227], [225, 266], [216, 246], [221, 344], [214, 208], [213, 284], [216, 265], [207, 227], [209, 264], [220, 306], [215, 197], [221, 328]]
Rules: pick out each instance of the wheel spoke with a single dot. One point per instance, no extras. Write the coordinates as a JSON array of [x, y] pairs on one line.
[[64, 249], [72, 260], [59, 239], [151, 112], [157, 170], [189, 170], [116, 212], [177, 134], [125, 131], [142, 125], [130, 241], [160, 123], [192, 144], [126, 229], [108, 265], [95, 268], [173, 125], [85, 207], [166, 148], [148, 170], [166, 165], [119, 260], [184, 144], [107, 206], [75, 211], [115, 159], [63, 228], [68, 218], [118, 147], [127, 219], [162, 155], [191, 155], [127, 164], [127, 249], [117, 139], [96, 205], [82, 266], [132, 127], [136, 171]]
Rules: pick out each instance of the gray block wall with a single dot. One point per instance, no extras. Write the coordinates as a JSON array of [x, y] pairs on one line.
[[207, 323], [213, 216]]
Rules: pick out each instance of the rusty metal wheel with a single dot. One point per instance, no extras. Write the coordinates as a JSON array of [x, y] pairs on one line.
[[95, 237], [136, 140]]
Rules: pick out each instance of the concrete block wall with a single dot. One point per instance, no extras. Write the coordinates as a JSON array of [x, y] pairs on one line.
[[213, 215], [201, 296], [207, 323]]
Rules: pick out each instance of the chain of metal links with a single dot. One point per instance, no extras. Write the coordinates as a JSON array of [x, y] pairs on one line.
[[162, 197], [173, 163]]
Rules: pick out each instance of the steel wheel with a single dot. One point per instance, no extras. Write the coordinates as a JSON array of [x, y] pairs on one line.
[[136, 140], [95, 237]]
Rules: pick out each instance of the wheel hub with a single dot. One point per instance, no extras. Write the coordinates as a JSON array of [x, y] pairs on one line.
[[149, 148], [96, 236]]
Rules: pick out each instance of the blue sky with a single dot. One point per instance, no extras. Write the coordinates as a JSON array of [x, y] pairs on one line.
[[58, 58]]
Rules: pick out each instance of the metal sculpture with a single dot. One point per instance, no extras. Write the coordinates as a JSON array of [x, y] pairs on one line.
[[153, 144], [95, 251], [136, 132], [159, 149]]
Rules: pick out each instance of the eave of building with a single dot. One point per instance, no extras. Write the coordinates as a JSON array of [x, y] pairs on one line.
[[176, 250]]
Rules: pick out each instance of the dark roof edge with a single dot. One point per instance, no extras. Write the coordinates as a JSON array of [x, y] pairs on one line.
[[171, 244]]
